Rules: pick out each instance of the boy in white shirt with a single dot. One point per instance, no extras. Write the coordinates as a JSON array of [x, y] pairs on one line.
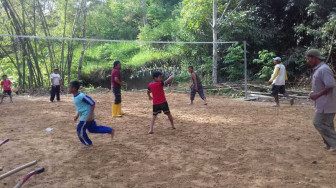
[[56, 83]]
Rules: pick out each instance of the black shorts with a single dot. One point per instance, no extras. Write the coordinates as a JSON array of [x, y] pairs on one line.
[[278, 89], [7, 92], [157, 108]]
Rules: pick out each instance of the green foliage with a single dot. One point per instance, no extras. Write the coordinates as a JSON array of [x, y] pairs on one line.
[[7, 68], [163, 32], [147, 56], [234, 63], [205, 70], [182, 77], [285, 27], [265, 61]]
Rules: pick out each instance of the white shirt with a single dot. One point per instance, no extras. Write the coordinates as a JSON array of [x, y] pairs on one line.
[[281, 78], [55, 79]]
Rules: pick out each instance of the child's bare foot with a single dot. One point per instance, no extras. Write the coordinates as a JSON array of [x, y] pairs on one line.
[[150, 132], [112, 134], [173, 128]]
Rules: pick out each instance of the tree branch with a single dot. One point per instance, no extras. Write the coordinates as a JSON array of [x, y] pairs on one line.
[[331, 45], [229, 3], [220, 21]]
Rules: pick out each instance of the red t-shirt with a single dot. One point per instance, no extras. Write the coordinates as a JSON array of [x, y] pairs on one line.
[[115, 73], [6, 85], [156, 88]]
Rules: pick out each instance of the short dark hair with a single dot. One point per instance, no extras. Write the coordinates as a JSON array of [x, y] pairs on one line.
[[191, 67], [4, 75], [157, 74], [75, 84], [116, 63]]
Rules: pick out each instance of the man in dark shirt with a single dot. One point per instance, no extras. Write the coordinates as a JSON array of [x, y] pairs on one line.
[[196, 86], [116, 89]]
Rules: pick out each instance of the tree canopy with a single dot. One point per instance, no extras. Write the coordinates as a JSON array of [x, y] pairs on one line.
[[285, 28]]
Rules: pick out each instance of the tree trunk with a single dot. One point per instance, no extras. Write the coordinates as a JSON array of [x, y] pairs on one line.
[[62, 51], [70, 44], [44, 62], [35, 72], [331, 45], [144, 7], [25, 43], [214, 50], [15, 44], [34, 30], [79, 73], [16, 65], [47, 33]]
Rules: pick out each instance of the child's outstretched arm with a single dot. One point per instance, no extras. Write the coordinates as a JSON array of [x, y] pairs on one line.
[[76, 117], [149, 96], [169, 80]]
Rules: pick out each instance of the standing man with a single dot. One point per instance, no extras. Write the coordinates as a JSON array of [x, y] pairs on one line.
[[196, 86], [116, 89], [324, 95], [56, 83], [278, 81]]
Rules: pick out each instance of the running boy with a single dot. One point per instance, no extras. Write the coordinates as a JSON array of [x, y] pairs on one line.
[[85, 110], [159, 99], [6, 86]]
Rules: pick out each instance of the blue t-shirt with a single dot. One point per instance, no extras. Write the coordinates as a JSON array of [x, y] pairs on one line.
[[83, 105]]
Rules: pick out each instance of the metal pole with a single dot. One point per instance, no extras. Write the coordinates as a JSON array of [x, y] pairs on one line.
[[245, 67]]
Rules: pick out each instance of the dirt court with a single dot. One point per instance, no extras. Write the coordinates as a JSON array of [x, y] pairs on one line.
[[228, 143]]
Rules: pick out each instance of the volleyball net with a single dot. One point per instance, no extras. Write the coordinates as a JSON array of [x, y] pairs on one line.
[[31, 59]]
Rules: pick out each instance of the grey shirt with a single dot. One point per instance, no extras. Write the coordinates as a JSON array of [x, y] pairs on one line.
[[323, 78]]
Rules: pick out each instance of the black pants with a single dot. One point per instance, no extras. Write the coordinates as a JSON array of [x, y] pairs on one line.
[[55, 91], [117, 94]]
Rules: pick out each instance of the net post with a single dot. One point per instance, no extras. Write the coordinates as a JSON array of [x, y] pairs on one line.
[[245, 70]]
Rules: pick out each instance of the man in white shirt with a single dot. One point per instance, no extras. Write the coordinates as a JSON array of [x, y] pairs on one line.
[[56, 82], [278, 81]]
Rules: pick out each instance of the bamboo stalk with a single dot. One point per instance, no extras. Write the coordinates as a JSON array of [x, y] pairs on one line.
[[17, 169]]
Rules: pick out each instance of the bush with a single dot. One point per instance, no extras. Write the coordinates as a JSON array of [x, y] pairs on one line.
[[265, 62], [234, 63]]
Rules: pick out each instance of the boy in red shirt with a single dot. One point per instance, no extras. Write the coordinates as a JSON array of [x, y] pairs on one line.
[[159, 99], [6, 86]]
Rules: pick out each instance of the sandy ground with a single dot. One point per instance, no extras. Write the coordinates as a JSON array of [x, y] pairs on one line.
[[228, 143]]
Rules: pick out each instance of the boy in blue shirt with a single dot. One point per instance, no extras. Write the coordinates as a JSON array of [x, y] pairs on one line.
[[85, 110]]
